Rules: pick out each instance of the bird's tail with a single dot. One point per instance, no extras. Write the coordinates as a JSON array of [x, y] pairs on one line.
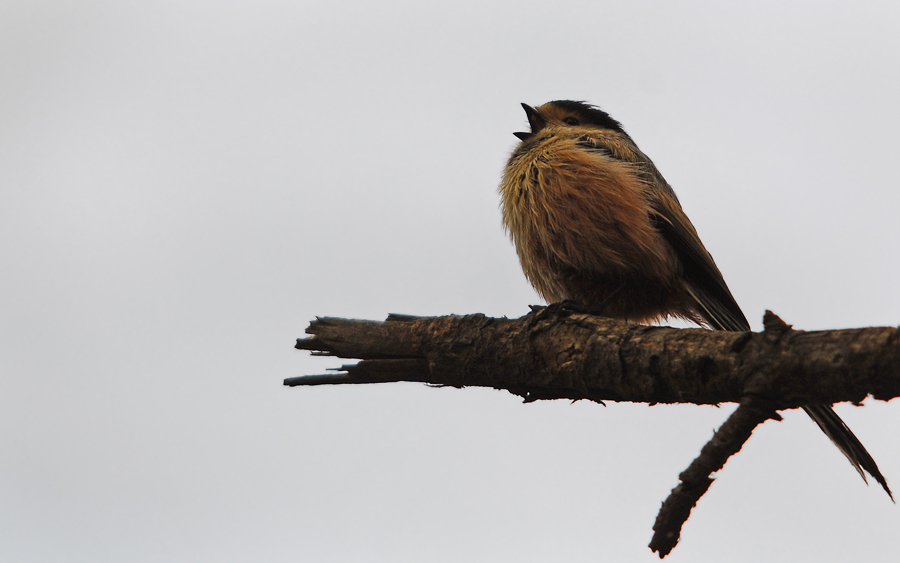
[[835, 428]]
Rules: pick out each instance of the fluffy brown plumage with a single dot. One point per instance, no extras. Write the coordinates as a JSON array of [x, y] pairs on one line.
[[594, 222]]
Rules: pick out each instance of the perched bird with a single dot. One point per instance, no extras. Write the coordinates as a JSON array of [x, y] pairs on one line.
[[595, 223]]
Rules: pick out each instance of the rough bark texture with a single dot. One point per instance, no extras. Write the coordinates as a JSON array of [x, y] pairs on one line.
[[555, 353], [550, 354], [696, 479]]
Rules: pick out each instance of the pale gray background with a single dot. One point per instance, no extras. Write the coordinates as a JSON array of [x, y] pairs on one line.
[[184, 185]]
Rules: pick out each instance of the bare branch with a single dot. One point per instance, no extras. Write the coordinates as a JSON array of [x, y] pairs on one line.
[[696, 479], [551, 354], [554, 353]]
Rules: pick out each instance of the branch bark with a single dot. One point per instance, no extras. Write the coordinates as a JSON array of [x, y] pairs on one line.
[[696, 479], [554, 353]]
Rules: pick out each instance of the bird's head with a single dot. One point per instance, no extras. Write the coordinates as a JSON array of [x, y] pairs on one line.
[[566, 113]]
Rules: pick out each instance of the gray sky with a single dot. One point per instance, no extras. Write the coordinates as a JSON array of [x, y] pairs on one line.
[[184, 185]]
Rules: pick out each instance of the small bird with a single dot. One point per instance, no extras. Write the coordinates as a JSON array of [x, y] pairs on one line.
[[595, 223]]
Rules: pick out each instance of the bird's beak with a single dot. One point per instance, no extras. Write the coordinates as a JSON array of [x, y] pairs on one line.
[[535, 119]]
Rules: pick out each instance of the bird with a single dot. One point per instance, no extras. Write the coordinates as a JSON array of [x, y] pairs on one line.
[[596, 225]]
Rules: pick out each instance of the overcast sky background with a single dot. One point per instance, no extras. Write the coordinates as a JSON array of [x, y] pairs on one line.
[[185, 185]]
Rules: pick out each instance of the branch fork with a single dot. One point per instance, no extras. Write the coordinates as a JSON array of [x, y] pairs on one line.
[[555, 353]]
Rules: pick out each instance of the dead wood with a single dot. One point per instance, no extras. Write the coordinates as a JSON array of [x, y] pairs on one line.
[[554, 353]]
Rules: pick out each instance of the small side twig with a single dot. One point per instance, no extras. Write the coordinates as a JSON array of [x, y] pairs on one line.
[[696, 479]]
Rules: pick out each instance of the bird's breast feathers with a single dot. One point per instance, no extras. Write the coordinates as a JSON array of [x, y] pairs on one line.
[[578, 198]]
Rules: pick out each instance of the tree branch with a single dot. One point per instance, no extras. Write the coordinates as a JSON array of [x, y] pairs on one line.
[[553, 353], [696, 479]]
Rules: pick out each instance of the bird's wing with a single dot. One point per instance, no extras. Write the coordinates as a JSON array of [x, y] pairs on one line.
[[713, 300], [704, 282]]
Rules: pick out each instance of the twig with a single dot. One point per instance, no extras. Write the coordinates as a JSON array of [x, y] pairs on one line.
[[697, 478]]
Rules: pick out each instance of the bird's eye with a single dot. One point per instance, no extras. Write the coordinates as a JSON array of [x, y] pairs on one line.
[[572, 121]]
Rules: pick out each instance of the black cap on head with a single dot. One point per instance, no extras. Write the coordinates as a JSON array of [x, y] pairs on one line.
[[589, 114]]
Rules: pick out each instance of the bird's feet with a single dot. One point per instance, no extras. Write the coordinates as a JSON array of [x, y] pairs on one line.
[[566, 308], [569, 306]]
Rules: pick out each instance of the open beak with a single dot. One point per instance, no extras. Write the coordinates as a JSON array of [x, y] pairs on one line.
[[535, 119]]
